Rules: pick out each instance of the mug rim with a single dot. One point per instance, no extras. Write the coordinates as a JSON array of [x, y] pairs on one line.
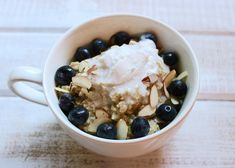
[[166, 129]]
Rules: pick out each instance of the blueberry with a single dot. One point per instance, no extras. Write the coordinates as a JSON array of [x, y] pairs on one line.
[[78, 115], [150, 36], [66, 103], [140, 127], [169, 58], [98, 46], [64, 74], [120, 38], [107, 130], [166, 112], [177, 88], [82, 53]]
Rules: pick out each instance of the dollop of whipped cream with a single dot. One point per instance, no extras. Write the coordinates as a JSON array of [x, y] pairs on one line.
[[121, 69]]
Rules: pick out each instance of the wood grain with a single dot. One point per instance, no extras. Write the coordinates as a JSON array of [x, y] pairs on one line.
[[27, 49], [216, 61], [193, 16], [31, 49], [34, 139], [30, 135]]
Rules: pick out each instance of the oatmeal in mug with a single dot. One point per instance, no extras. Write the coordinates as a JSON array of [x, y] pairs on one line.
[[125, 88]]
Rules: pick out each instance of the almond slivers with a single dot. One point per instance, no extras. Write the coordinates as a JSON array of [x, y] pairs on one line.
[[122, 129], [182, 75], [61, 90], [94, 125], [153, 78], [101, 114], [85, 91], [146, 111], [174, 101], [81, 81], [115, 116], [74, 65], [83, 66], [170, 76], [153, 97], [132, 42]]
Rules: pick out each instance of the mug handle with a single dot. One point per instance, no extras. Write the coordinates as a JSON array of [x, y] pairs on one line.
[[27, 74]]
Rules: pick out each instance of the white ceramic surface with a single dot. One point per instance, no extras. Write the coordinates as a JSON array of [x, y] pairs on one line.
[[62, 53]]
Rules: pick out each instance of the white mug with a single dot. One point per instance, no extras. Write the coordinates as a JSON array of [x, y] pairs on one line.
[[63, 52]]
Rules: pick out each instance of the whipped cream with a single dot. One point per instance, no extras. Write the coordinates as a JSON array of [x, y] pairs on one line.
[[121, 69]]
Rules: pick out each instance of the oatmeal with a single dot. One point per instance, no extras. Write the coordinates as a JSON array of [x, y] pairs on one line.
[[119, 72], [123, 91]]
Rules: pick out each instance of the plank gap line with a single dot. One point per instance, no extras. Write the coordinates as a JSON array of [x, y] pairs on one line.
[[64, 29]]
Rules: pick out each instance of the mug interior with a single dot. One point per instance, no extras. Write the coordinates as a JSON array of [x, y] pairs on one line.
[[104, 28]]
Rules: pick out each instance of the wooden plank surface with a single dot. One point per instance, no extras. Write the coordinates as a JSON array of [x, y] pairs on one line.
[[31, 49], [53, 15], [34, 139], [30, 135]]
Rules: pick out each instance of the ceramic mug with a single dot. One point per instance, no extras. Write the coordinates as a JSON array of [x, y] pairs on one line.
[[105, 27]]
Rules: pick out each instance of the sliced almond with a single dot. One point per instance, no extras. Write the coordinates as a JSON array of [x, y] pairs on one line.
[[170, 76], [162, 99], [159, 64], [114, 46], [94, 96], [94, 125], [115, 116], [113, 108], [132, 42], [74, 65], [65, 87], [153, 97], [122, 129], [81, 81], [101, 114], [146, 111], [84, 74], [174, 101], [85, 91], [159, 85], [91, 118], [122, 107], [61, 90], [74, 89], [153, 78], [181, 75], [83, 66]]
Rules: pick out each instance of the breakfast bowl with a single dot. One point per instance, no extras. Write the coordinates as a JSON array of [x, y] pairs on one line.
[[104, 27]]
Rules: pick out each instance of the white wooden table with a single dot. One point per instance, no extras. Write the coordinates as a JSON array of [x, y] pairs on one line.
[[30, 135]]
